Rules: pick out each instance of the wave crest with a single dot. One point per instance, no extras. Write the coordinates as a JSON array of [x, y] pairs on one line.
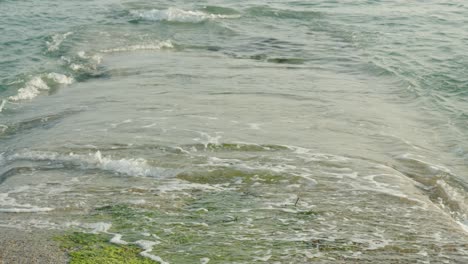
[[177, 15], [39, 84]]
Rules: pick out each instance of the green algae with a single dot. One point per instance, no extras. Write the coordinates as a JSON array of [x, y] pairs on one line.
[[308, 213], [399, 249], [119, 212], [323, 245], [193, 232], [84, 248], [217, 225], [126, 218]]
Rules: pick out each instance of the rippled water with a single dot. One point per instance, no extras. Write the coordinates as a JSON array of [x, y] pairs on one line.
[[240, 131]]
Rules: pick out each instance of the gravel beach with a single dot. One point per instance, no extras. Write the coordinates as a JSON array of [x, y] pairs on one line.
[[23, 247]]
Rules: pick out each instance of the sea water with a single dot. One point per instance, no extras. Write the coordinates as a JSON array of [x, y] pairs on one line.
[[239, 131]]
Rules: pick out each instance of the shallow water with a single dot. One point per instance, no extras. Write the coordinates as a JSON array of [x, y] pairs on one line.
[[239, 131]]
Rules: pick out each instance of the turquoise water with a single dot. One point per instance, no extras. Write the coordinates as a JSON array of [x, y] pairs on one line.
[[240, 131]]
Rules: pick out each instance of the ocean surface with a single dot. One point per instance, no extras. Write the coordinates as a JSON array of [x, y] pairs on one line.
[[239, 131]]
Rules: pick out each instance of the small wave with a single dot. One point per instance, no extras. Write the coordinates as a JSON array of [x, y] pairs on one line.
[[56, 41], [151, 46], [177, 15], [39, 84], [131, 167]]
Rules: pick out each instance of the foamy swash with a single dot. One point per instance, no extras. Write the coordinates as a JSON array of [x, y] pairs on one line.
[[10, 205]]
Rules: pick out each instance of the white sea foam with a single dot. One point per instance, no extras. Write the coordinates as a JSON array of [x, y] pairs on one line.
[[83, 61], [99, 227], [56, 41], [117, 239], [32, 89], [147, 246], [131, 167], [39, 84], [77, 67], [96, 57], [177, 15], [33, 209], [167, 44], [60, 78], [136, 167]]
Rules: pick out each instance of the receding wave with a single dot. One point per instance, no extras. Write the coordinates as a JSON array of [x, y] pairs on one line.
[[177, 15], [438, 183]]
